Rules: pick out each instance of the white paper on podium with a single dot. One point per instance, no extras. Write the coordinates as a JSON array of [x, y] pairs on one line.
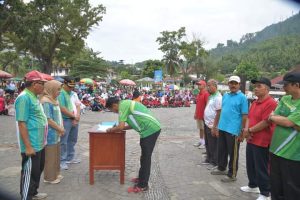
[[103, 127]]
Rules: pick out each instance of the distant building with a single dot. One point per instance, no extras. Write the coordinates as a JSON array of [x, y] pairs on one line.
[[60, 72]]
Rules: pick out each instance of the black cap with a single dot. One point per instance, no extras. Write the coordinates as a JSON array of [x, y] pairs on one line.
[[69, 81], [291, 77], [262, 80], [135, 94]]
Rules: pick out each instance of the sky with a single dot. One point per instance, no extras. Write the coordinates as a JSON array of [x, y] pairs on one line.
[[130, 27]]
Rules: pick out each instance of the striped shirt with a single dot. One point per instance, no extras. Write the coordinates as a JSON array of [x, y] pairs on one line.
[[29, 110]]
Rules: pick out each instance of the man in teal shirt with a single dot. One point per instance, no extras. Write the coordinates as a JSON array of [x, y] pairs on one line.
[[138, 117], [285, 144], [32, 134]]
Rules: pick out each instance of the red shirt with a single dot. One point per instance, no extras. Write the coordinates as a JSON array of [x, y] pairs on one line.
[[260, 110], [202, 99], [2, 104]]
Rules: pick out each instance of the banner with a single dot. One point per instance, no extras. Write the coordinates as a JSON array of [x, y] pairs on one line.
[[158, 76]]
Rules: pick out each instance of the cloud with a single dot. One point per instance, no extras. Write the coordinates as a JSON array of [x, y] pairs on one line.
[[130, 28]]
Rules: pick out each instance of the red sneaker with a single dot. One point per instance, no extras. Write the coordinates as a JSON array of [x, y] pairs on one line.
[[137, 189]]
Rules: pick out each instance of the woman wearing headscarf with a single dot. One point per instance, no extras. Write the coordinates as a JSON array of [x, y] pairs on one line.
[[55, 130]]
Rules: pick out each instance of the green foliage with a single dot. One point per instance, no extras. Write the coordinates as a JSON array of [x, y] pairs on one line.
[[274, 48], [228, 64], [150, 67], [195, 56], [125, 75], [49, 28], [247, 69], [219, 77], [8, 8], [88, 65], [170, 43]]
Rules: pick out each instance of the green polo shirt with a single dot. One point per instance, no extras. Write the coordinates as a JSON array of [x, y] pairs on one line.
[[137, 116], [29, 110], [286, 140], [64, 100]]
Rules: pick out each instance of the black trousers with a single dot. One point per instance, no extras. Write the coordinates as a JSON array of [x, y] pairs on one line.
[[257, 160], [147, 145], [32, 168], [228, 145], [211, 146], [285, 178]]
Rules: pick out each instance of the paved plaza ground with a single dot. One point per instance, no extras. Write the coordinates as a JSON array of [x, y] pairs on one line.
[[176, 173]]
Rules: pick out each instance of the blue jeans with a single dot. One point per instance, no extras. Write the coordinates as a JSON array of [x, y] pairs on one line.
[[68, 141]]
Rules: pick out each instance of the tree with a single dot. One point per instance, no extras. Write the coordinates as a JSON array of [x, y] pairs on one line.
[[231, 43], [48, 28], [195, 55], [170, 42], [88, 65], [228, 64], [125, 75], [8, 9], [247, 69], [150, 67], [220, 45]]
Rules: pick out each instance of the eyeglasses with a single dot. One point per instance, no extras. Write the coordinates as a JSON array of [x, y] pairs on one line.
[[40, 82]]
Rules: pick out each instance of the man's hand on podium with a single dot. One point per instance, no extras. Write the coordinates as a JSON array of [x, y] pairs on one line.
[[118, 128], [109, 130]]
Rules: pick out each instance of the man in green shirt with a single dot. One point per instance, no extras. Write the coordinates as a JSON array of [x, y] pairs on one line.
[[285, 144], [70, 121], [138, 117], [32, 135]]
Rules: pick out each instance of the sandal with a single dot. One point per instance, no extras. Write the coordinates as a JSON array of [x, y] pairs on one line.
[[137, 189]]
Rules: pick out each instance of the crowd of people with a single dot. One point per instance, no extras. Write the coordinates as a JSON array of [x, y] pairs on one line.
[[95, 99], [270, 129], [48, 115]]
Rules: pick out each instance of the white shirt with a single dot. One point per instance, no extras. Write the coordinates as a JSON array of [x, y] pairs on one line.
[[214, 103], [75, 101]]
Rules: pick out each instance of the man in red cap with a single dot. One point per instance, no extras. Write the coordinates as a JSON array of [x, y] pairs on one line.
[[202, 99], [32, 133]]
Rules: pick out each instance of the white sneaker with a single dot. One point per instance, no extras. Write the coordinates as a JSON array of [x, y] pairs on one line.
[[249, 189], [212, 167], [73, 161], [64, 166], [202, 146], [40, 196], [197, 144], [53, 182], [60, 177], [263, 197]]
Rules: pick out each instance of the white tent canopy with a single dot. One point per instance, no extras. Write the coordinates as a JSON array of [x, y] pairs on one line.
[[145, 79]]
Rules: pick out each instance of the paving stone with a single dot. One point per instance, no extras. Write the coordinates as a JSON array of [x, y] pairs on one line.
[[174, 173]]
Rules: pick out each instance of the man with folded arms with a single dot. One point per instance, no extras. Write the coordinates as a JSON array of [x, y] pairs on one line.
[[258, 133], [285, 144]]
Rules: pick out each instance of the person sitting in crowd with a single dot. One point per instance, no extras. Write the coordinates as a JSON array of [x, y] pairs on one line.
[[3, 109]]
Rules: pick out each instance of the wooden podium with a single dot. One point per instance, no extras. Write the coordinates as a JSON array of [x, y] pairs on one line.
[[107, 152]]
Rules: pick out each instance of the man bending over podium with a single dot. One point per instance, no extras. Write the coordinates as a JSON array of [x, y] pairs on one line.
[[139, 118]]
